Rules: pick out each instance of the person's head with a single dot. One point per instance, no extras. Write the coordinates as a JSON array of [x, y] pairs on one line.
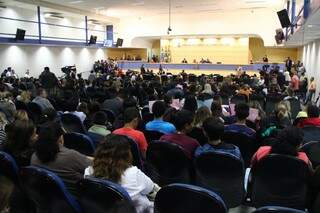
[[72, 103], [112, 158], [290, 92], [50, 114], [83, 107], [190, 103], [49, 141], [158, 109], [201, 114], [312, 79], [242, 111], [289, 141], [42, 93], [281, 111], [47, 69], [100, 118], [20, 135], [216, 109], [25, 96], [207, 88], [131, 116], [21, 115], [183, 120], [213, 128], [313, 111]]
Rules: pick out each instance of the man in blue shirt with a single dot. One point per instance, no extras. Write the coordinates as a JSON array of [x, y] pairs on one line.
[[214, 129], [242, 112], [158, 110]]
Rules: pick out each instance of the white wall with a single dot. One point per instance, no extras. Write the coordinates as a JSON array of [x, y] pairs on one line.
[[260, 22], [36, 58], [311, 60]]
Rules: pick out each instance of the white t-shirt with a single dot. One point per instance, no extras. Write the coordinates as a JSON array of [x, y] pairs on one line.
[[138, 186]]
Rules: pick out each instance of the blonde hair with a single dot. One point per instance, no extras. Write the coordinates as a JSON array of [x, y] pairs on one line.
[[25, 96], [21, 115], [283, 110]]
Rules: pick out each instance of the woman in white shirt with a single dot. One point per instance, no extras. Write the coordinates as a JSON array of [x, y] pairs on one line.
[[113, 162]]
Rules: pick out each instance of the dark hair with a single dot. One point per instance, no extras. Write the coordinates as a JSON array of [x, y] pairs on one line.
[[50, 114], [288, 141], [112, 158], [182, 118], [216, 109], [18, 136], [47, 146], [129, 102], [72, 103], [40, 91], [214, 128], [158, 109], [100, 118], [242, 111], [190, 103], [313, 111], [130, 114]]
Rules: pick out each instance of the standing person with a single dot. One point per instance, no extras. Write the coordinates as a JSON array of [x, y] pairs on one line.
[[48, 80], [295, 82], [289, 64], [311, 90]]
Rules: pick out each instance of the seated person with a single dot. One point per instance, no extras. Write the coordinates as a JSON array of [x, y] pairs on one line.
[[158, 110], [214, 129], [245, 90], [131, 117], [113, 162], [183, 123], [313, 117], [99, 124], [197, 131], [42, 100], [242, 112], [289, 140], [50, 153], [72, 106]]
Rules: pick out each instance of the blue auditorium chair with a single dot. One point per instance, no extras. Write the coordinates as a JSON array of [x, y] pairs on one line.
[[8, 167], [96, 138], [222, 173], [183, 198], [312, 150], [100, 196], [34, 111], [311, 133], [72, 123], [79, 142], [110, 115], [277, 209], [47, 191], [152, 135], [279, 180], [167, 163]]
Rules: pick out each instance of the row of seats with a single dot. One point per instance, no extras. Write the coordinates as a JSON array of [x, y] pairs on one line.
[[49, 194]]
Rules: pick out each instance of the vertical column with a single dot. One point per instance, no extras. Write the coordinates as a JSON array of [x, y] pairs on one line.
[[293, 15], [86, 28], [306, 9], [287, 29], [110, 33], [39, 24]]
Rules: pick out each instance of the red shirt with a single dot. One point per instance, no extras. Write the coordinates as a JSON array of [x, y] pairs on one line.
[[266, 150], [309, 122], [188, 144], [136, 135], [295, 82]]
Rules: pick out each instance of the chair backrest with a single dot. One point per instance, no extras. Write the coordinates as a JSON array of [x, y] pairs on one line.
[[167, 163], [246, 145], [271, 103], [47, 191], [277, 209], [136, 154], [79, 142], [96, 138], [71, 123], [34, 111], [110, 115], [222, 173], [295, 106], [311, 133], [280, 179], [8, 167], [182, 198], [20, 105], [152, 135], [312, 150], [100, 196]]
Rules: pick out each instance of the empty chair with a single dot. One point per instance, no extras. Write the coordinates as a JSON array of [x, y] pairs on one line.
[[152, 135], [277, 209], [222, 173], [279, 180], [136, 154], [312, 149], [182, 198], [167, 163], [34, 111], [79, 142], [311, 133], [100, 196], [246, 145], [71, 123], [47, 191]]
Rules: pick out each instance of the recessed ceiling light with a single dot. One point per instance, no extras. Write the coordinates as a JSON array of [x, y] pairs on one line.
[[139, 3], [310, 25], [75, 2]]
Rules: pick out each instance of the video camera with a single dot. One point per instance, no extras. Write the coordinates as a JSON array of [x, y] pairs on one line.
[[68, 69]]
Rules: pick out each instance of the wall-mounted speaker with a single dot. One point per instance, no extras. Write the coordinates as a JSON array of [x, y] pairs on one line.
[[20, 34], [284, 18]]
